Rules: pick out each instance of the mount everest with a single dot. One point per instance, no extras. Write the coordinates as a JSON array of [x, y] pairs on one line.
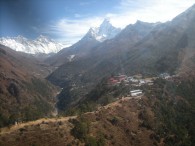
[[41, 44]]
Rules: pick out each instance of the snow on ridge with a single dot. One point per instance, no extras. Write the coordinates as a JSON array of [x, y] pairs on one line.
[[102, 33], [40, 45]]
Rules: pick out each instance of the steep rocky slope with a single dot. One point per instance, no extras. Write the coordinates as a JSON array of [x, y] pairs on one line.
[[24, 93], [167, 47]]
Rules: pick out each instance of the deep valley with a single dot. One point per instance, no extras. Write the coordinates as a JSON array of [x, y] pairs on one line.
[[114, 87]]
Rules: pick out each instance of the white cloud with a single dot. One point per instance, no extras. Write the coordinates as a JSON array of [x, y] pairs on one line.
[[126, 12], [73, 30], [129, 11]]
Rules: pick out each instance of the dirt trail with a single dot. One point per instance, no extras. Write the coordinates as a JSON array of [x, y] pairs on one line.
[[63, 119]]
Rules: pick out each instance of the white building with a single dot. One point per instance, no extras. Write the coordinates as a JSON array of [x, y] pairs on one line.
[[165, 76], [136, 92]]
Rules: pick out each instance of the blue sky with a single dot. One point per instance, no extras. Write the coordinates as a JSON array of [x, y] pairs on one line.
[[68, 20]]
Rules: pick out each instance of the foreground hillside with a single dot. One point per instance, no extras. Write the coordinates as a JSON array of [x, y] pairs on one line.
[[24, 94], [116, 124], [163, 116]]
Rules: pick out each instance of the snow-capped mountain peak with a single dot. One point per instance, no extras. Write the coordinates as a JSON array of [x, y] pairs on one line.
[[42, 44], [102, 33], [42, 38], [106, 24]]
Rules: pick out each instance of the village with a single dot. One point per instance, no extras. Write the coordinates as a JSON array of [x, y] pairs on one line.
[[135, 82]]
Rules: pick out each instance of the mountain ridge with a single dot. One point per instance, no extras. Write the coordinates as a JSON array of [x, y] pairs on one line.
[[104, 32], [96, 52], [24, 93], [41, 44], [83, 47]]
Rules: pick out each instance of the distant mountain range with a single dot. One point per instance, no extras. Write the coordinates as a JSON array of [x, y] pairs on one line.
[[40, 45], [45, 45], [93, 38], [147, 48], [90, 54]]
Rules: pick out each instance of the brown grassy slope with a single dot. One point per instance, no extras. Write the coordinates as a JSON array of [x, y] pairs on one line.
[[119, 123], [27, 62], [41, 132], [23, 94]]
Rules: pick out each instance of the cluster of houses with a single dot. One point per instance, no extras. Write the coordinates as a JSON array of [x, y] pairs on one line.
[[136, 81], [116, 80], [131, 80], [165, 76]]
